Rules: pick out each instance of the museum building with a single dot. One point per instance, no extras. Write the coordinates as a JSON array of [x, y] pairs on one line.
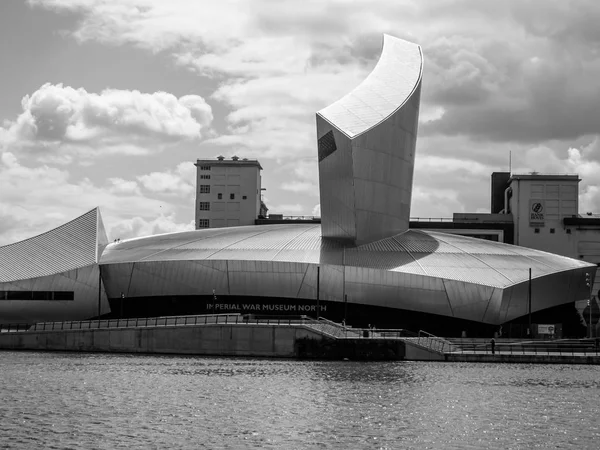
[[361, 264]]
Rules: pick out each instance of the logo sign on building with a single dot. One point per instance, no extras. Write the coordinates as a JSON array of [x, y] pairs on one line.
[[537, 211], [545, 329]]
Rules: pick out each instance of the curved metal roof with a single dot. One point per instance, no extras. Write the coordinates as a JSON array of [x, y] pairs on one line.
[[391, 83], [430, 253], [73, 245]]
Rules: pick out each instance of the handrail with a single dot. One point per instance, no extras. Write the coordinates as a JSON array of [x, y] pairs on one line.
[[206, 319], [433, 342], [339, 331], [504, 346], [13, 327]]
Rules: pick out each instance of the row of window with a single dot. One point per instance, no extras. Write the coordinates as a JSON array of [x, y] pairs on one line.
[[552, 231], [203, 223], [205, 189], [37, 295], [204, 167], [205, 177]]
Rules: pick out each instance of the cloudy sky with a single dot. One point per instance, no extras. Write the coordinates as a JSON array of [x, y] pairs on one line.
[[109, 102]]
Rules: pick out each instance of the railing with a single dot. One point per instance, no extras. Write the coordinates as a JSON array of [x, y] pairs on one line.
[[322, 325], [567, 347], [431, 342], [14, 327], [169, 321], [334, 329], [431, 219]]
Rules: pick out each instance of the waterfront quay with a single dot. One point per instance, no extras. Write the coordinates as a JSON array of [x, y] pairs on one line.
[[299, 337]]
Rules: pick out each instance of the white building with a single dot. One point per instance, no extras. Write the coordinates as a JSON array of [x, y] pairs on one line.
[[539, 204], [227, 192]]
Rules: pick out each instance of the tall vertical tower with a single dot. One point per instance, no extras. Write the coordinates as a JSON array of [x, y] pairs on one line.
[[367, 149], [227, 192]]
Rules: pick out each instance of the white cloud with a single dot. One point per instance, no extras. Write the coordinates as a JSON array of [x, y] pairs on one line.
[[180, 182], [121, 186], [532, 91], [61, 119], [36, 199], [288, 209], [139, 226]]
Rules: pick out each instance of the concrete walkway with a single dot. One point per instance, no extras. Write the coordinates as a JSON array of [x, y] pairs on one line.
[[525, 357]]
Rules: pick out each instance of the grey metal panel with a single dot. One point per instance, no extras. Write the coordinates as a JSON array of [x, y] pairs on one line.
[[481, 276], [387, 88], [72, 245], [410, 252], [494, 311], [82, 281], [468, 300], [336, 187], [366, 182], [382, 260]]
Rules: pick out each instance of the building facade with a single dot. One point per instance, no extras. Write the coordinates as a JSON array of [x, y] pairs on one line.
[[227, 192], [361, 264], [538, 211], [366, 149]]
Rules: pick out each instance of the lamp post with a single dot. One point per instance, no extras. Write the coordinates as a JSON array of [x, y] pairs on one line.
[[122, 301], [529, 301], [588, 283], [318, 281]]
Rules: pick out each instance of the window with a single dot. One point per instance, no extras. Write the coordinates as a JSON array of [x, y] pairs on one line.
[[205, 188], [536, 230], [568, 231], [244, 197], [204, 167], [37, 295], [232, 196], [220, 196], [552, 231], [205, 177], [203, 223], [204, 206]]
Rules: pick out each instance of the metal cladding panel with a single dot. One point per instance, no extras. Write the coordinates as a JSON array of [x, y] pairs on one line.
[[336, 188], [396, 290], [304, 256], [308, 288], [546, 292], [366, 186], [82, 281], [159, 278], [450, 260], [383, 159], [265, 278], [382, 273], [398, 261], [494, 312], [70, 246], [102, 238], [468, 301], [483, 276], [410, 252], [387, 88], [332, 283]]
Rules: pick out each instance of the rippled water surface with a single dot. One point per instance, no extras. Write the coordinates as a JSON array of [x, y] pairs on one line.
[[65, 400]]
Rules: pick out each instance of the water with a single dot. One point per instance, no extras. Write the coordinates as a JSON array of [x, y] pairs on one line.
[[106, 401]]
